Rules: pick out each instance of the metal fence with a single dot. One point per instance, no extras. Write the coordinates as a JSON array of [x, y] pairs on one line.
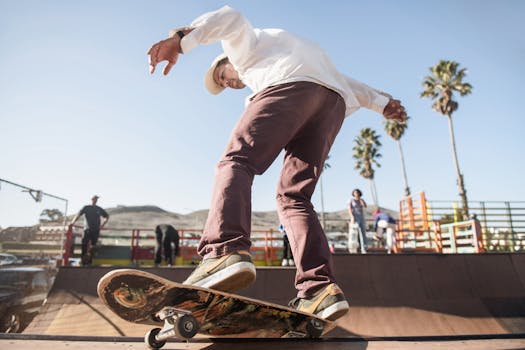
[[502, 222]]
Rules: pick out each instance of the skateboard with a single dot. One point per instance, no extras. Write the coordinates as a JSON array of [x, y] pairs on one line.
[[182, 311]]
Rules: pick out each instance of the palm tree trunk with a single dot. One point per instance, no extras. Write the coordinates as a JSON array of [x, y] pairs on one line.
[[407, 189], [461, 185], [375, 193], [373, 190]]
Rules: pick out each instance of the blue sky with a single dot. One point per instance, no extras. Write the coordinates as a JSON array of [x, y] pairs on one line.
[[80, 114]]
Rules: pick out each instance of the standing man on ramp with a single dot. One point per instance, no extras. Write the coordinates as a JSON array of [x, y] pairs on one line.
[[92, 214], [298, 104]]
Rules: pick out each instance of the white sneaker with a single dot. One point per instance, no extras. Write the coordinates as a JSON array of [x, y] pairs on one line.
[[284, 262], [329, 303], [228, 273], [291, 262]]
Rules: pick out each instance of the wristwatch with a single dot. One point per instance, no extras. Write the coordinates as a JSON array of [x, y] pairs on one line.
[[180, 33]]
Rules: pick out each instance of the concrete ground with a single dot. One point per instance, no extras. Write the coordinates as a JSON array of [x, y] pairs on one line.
[[129, 343]]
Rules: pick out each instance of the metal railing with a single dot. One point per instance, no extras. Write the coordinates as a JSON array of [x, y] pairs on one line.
[[502, 223], [435, 226], [266, 244]]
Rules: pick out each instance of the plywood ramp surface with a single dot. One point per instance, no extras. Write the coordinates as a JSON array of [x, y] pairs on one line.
[[390, 295]]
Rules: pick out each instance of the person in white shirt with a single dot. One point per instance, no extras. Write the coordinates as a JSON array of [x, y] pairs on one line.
[[298, 104]]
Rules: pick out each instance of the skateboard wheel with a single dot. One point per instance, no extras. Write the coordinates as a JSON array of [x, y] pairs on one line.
[[314, 328], [186, 326], [151, 340]]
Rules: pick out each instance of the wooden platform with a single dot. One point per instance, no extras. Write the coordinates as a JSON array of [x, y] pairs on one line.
[[390, 296]]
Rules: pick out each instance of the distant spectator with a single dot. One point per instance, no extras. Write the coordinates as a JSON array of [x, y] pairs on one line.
[[92, 214], [166, 236], [287, 251], [385, 227], [356, 209]]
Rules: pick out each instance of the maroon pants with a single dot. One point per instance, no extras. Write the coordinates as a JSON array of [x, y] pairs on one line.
[[302, 118]]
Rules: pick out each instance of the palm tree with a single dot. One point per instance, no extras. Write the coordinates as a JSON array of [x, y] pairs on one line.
[[325, 166], [396, 130], [440, 87], [366, 154]]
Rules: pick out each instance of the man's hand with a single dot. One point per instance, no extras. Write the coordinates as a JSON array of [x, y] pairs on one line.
[[394, 110], [165, 50], [104, 223]]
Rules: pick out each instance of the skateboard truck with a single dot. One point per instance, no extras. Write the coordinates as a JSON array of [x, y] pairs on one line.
[[314, 329], [177, 323]]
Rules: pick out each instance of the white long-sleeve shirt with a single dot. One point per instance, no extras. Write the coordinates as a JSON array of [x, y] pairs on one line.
[[268, 57]]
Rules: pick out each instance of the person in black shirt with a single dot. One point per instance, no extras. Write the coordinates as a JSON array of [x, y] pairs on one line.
[[287, 250], [166, 236], [92, 214]]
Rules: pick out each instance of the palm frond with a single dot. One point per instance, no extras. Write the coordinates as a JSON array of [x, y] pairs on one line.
[[366, 152], [446, 79]]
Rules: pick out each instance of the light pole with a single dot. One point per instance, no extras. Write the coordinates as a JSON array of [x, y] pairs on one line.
[[37, 196]]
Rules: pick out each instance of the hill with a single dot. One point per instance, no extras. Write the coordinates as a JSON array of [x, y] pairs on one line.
[[146, 217], [150, 216]]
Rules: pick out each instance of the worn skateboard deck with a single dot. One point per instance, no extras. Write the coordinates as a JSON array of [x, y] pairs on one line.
[[185, 310]]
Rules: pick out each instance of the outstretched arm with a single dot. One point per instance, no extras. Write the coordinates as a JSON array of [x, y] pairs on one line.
[[80, 213], [225, 25], [167, 50], [74, 219], [378, 101]]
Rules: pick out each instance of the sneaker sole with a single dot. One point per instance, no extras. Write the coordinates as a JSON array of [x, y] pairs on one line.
[[231, 278], [335, 311]]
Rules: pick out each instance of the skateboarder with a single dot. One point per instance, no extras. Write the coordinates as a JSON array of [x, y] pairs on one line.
[[298, 104], [92, 214]]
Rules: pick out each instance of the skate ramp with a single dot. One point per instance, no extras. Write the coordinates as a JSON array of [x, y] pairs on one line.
[[390, 295], [426, 295], [73, 308]]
